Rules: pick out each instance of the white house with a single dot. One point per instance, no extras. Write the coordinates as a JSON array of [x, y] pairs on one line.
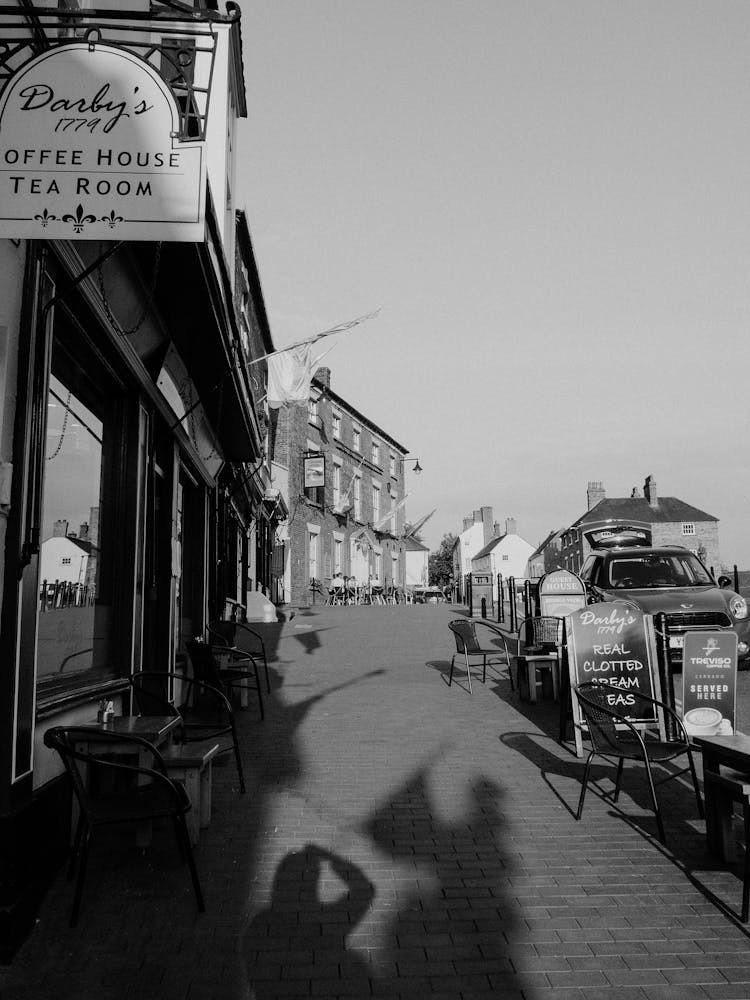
[[507, 555], [65, 560], [476, 533], [417, 565]]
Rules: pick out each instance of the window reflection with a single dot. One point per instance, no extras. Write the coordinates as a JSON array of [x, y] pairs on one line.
[[73, 623]]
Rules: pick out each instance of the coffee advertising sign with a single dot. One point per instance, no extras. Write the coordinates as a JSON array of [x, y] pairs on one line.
[[709, 683], [89, 149]]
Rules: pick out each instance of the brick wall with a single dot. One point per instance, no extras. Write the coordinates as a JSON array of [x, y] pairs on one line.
[[293, 433]]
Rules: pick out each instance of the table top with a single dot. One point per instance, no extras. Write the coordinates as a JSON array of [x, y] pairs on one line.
[[154, 728], [728, 749]]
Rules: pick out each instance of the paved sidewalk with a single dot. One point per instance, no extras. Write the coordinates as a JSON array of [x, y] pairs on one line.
[[400, 839]]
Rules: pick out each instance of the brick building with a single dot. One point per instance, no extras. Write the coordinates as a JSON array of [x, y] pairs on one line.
[[350, 516], [654, 519]]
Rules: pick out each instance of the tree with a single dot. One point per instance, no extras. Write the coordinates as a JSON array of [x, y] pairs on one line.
[[440, 563]]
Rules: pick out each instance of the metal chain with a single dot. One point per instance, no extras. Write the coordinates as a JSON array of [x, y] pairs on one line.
[[147, 306], [57, 450]]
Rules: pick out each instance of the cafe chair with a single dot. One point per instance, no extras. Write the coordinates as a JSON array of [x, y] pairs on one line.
[[148, 793], [613, 735], [540, 634], [241, 637], [225, 667], [474, 639], [204, 710]]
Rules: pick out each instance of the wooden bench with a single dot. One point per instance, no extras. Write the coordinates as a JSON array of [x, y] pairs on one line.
[[721, 792], [190, 764]]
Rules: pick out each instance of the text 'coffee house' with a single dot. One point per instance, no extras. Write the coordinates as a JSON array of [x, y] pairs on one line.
[[89, 148]]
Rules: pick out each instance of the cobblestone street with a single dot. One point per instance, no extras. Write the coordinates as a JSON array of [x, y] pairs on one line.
[[400, 838]]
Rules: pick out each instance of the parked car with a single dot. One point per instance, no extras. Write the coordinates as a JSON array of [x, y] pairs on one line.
[[672, 580]]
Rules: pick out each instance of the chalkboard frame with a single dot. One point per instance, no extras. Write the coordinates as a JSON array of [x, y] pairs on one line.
[[576, 654]]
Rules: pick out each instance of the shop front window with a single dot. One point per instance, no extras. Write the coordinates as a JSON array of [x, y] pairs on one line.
[[73, 635], [87, 542]]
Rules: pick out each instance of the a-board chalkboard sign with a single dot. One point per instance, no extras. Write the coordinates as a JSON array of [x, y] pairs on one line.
[[614, 644], [560, 593]]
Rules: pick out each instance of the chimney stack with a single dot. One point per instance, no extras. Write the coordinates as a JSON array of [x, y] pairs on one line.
[[510, 526], [595, 494], [60, 528], [323, 376], [649, 491], [487, 524]]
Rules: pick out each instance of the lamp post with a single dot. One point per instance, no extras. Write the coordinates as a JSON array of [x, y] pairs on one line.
[[410, 458]]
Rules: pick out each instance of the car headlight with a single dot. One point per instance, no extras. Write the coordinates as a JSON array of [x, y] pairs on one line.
[[738, 607]]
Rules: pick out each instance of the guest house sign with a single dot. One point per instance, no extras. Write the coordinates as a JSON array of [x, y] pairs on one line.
[[89, 149]]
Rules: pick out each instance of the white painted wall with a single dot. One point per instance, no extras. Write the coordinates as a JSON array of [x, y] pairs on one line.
[[470, 542], [510, 557], [52, 566], [417, 568]]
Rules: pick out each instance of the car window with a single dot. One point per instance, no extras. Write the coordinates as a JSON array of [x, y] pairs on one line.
[[657, 570]]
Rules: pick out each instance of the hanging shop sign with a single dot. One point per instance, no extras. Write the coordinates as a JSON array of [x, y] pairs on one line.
[[709, 683], [315, 471], [89, 149]]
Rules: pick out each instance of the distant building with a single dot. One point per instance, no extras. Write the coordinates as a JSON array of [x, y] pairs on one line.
[[653, 519], [478, 529], [507, 555], [342, 479], [546, 557]]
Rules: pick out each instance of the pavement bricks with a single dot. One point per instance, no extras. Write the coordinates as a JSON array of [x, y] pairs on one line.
[[400, 839]]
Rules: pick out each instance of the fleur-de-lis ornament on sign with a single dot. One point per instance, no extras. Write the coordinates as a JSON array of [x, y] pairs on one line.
[[79, 220], [45, 218], [111, 219]]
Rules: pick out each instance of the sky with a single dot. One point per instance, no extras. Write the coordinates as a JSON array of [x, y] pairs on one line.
[[549, 202]]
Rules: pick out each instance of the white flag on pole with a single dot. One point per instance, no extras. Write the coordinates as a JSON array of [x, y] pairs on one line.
[[289, 376]]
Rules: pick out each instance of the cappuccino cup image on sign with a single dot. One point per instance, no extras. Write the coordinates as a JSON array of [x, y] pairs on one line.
[[703, 721]]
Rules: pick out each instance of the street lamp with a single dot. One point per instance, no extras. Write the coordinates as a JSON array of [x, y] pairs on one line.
[[410, 458]]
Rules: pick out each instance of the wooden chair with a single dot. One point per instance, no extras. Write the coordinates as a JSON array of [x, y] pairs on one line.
[[613, 735], [148, 794], [469, 644]]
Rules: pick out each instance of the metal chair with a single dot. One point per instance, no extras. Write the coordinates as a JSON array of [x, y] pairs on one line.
[[612, 734], [224, 667], [205, 711], [469, 644], [149, 794], [242, 638]]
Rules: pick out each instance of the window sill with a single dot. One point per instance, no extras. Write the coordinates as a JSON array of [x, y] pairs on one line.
[[58, 701]]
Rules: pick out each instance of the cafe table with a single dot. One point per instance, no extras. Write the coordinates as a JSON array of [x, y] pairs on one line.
[[718, 751], [157, 729]]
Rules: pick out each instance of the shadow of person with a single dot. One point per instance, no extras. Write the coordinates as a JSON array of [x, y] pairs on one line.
[[302, 920]]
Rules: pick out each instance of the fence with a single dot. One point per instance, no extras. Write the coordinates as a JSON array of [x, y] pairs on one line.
[[60, 594]]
